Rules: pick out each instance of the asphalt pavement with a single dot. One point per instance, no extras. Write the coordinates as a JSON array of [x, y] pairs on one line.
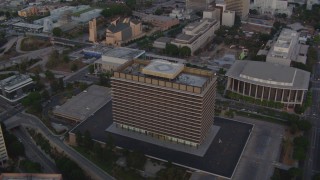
[[34, 153], [312, 163], [85, 164]]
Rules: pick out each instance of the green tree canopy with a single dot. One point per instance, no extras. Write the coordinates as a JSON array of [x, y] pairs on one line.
[[185, 51], [57, 32], [172, 49]]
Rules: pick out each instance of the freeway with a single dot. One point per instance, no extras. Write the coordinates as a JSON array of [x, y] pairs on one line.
[[33, 122], [34, 153]]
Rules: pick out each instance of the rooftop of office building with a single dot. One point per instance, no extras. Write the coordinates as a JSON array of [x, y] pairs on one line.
[[166, 74], [15, 81]]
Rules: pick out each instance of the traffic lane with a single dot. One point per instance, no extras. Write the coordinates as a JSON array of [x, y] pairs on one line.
[[34, 154]]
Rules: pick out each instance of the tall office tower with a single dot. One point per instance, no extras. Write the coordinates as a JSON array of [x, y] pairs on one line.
[[198, 5], [164, 100], [3, 149], [93, 30], [241, 7]]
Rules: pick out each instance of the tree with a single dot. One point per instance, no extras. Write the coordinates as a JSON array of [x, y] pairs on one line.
[[185, 51], [299, 153], [316, 177], [171, 49], [79, 138], [136, 160], [304, 125], [57, 32], [49, 75], [295, 172], [66, 59], [91, 68], [74, 67], [158, 11], [171, 173], [97, 150], [16, 149], [301, 142], [87, 140]]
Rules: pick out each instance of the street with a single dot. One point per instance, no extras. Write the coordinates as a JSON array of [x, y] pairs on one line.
[[312, 164], [34, 153], [26, 120]]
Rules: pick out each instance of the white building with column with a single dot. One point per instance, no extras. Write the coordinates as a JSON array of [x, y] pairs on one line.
[[268, 82]]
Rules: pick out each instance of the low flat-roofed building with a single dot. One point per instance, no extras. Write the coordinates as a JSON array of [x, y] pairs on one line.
[[85, 104], [30, 176], [268, 82], [111, 58], [164, 100], [161, 42], [195, 35], [3, 150], [15, 87], [27, 27]]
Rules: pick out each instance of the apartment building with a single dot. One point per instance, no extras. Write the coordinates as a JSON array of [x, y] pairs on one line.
[[164, 100], [272, 7]]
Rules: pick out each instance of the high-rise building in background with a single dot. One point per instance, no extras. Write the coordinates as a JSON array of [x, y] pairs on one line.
[[241, 7], [164, 100], [93, 30], [3, 149], [198, 5]]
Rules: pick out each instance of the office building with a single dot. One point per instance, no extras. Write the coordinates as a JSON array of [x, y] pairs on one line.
[[287, 49], [3, 150], [198, 5], [241, 7], [197, 34], [164, 100], [93, 30], [15, 87], [162, 22], [228, 18], [272, 7], [268, 82]]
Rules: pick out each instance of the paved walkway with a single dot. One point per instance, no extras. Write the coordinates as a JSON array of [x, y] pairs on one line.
[[200, 151]]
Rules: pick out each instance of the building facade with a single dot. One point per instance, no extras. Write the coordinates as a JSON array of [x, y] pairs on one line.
[[198, 5], [287, 49], [197, 34], [241, 7], [162, 22], [272, 7], [3, 150], [93, 30], [164, 100], [228, 18], [268, 82]]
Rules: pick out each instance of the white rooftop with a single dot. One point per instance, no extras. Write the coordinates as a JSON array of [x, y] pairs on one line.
[[165, 69]]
